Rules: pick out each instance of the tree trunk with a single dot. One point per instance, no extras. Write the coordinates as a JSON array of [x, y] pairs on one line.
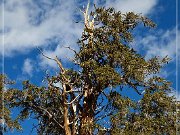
[[66, 119], [87, 119]]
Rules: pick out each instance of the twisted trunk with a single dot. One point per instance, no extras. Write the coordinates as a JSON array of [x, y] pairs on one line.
[[66, 119], [87, 119]]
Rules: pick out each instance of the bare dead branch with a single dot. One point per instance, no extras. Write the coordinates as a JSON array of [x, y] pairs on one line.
[[89, 25], [73, 99], [68, 47], [44, 54], [59, 64], [55, 59]]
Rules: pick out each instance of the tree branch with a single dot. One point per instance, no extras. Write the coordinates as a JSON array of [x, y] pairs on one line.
[[73, 99], [44, 54], [71, 49], [41, 110], [55, 59]]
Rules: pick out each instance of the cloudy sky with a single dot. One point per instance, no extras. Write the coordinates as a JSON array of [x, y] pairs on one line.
[[51, 25]]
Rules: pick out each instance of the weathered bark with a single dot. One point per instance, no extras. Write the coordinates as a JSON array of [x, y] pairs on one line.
[[73, 116], [66, 122], [74, 129], [87, 119], [66, 119]]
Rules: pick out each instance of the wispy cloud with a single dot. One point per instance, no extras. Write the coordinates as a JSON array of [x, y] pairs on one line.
[[160, 43], [28, 67], [35, 23], [28, 25], [31, 23], [138, 6]]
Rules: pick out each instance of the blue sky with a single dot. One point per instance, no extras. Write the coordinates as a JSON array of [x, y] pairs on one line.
[[51, 25]]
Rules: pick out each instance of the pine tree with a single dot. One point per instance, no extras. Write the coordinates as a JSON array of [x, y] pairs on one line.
[[84, 98]]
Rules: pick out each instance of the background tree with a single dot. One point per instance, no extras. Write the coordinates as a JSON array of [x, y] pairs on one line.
[[6, 122], [77, 101]]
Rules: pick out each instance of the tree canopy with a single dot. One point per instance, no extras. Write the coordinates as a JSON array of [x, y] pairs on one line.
[[89, 100]]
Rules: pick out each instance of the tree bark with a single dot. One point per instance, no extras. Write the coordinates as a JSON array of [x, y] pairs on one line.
[[66, 119], [87, 119]]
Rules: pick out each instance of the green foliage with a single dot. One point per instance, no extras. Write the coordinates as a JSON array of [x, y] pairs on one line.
[[155, 113], [6, 121]]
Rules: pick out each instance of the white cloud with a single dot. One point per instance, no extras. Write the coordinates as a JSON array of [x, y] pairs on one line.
[[28, 67], [22, 35], [51, 21], [160, 44], [137, 6], [32, 23]]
